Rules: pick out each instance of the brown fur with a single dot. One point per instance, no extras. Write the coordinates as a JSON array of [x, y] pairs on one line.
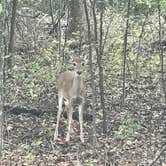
[[71, 88]]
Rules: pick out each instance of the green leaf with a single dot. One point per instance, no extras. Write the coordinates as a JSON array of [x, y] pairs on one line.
[[122, 128], [137, 32], [136, 126], [163, 4], [90, 164], [132, 56], [1, 8], [30, 156], [130, 130], [8, 55], [155, 59], [120, 136]]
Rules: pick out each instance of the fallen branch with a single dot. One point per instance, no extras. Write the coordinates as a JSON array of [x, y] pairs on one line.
[[158, 154]]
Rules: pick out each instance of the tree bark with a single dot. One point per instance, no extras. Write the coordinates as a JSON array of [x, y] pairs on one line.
[[125, 52], [99, 53], [1, 101], [74, 23], [162, 82], [139, 45], [59, 28], [163, 88], [101, 75], [12, 34], [2, 75], [92, 83], [52, 15]]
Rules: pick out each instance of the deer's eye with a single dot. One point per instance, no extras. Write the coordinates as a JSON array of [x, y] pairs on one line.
[[74, 64], [83, 64]]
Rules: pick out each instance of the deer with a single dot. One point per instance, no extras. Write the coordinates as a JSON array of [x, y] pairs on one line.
[[71, 90]]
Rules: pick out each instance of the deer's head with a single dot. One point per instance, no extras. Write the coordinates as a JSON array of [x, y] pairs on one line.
[[78, 65]]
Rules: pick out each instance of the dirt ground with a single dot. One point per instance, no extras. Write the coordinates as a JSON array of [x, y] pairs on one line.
[[29, 136]]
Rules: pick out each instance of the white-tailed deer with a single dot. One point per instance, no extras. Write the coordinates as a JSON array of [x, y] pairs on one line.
[[72, 90]]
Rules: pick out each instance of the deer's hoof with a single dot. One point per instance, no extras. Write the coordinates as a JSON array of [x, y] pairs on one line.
[[67, 138]]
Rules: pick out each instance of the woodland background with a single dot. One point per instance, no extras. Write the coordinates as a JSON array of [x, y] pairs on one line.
[[123, 44]]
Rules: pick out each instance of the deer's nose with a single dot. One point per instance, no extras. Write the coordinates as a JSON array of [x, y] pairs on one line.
[[79, 72]]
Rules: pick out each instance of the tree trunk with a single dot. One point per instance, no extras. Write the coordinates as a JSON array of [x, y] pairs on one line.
[[100, 65], [12, 34], [162, 82], [2, 73], [139, 46], [125, 52], [99, 53], [91, 73], [163, 88], [1, 101], [59, 28], [74, 23], [52, 16]]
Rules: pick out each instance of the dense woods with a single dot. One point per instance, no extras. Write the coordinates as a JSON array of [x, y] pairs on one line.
[[123, 44]]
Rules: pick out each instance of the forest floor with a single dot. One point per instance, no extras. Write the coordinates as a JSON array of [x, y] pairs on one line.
[[135, 142]]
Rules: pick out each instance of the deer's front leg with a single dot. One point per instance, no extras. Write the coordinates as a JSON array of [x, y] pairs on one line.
[[58, 117], [81, 122], [70, 114]]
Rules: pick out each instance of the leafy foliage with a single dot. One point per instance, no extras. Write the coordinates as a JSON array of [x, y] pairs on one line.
[[31, 80], [125, 130], [40, 56]]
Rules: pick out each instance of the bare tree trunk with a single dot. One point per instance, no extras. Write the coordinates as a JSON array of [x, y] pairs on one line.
[[52, 15], [91, 73], [163, 88], [125, 52], [99, 52], [2, 79], [56, 22], [65, 37], [139, 45], [100, 65], [12, 34], [74, 23], [1, 101], [59, 28], [2, 74], [162, 83]]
